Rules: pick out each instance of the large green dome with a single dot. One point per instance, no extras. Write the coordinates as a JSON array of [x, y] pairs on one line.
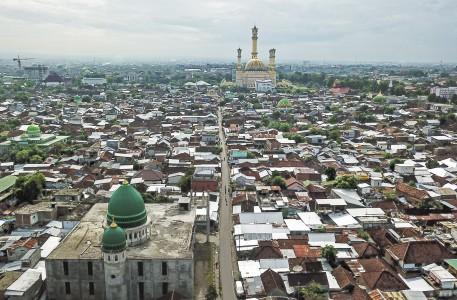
[[126, 207], [33, 130], [114, 239]]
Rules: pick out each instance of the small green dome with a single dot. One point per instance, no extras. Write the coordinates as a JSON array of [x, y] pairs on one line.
[[284, 103], [114, 239], [33, 130], [126, 207], [379, 98]]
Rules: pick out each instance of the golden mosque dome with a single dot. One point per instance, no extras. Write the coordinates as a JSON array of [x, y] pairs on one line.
[[254, 64]]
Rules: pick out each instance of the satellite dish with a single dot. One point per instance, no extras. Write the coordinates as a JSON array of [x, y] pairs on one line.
[[297, 268]]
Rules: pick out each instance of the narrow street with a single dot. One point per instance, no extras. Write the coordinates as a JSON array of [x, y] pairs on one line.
[[225, 224]]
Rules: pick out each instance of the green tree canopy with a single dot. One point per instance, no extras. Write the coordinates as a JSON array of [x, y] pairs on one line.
[[331, 173], [29, 187], [313, 291], [329, 253]]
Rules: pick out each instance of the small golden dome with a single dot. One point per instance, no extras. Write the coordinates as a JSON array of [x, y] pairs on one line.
[[255, 64]]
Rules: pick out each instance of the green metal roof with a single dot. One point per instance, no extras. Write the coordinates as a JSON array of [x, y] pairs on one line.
[[126, 207], [7, 182], [451, 262], [239, 154]]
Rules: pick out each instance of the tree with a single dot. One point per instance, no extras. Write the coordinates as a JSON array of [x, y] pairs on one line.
[[29, 187], [22, 156], [393, 162], [250, 155], [298, 138], [185, 183], [278, 180], [346, 182], [334, 135], [363, 235], [313, 291], [36, 159], [211, 293], [331, 173], [86, 98], [329, 253]]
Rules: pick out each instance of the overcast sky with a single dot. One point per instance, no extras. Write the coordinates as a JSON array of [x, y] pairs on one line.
[[318, 30]]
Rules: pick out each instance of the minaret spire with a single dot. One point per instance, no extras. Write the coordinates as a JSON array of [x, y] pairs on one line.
[[254, 42]]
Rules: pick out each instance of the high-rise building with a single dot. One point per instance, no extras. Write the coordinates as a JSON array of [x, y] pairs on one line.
[[137, 251], [36, 72], [254, 70]]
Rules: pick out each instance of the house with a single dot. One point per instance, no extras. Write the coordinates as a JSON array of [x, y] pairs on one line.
[[174, 178], [303, 174], [28, 286], [413, 255], [442, 279], [293, 184], [150, 176], [242, 180], [32, 214], [315, 139], [273, 284], [68, 195], [413, 195], [6, 189], [405, 169], [330, 205], [301, 280]]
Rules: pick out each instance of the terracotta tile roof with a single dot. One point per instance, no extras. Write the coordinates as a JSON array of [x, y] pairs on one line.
[[341, 238], [375, 265], [410, 191], [384, 280], [272, 283], [289, 243], [359, 294], [365, 250], [314, 188], [379, 236], [266, 249], [419, 252], [299, 264], [344, 277], [306, 251], [386, 205]]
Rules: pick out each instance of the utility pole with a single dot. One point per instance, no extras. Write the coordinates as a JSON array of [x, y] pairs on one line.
[[208, 227]]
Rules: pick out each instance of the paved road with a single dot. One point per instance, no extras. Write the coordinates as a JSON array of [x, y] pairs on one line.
[[225, 226]]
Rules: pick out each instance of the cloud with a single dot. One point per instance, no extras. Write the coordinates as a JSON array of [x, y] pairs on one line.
[[407, 30]]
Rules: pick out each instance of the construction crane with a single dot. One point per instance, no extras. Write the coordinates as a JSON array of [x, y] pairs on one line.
[[19, 60]]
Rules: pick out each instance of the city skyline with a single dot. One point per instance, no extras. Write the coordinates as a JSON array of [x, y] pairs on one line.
[[406, 31]]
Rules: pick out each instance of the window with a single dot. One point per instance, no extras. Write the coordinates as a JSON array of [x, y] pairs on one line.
[[164, 268], [164, 288], [113, 276], [90, 270], [91, 288], [65, 267], [140, 268], [115, 257], [141, 290], [134, 235], [67, 288]]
